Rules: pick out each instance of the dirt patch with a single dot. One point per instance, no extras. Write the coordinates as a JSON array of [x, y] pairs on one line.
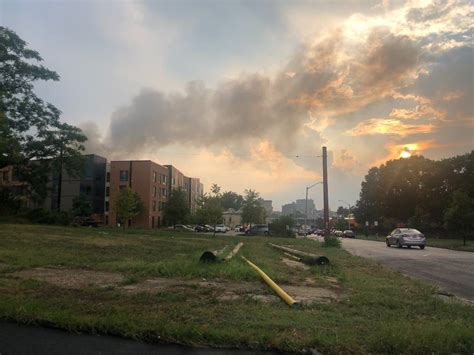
[[159, 284], [230, 291], [68, 278], [306, 294], [222, 290], [294, 264]]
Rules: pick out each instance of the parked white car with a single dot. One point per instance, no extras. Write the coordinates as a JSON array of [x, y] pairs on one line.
[[220, 228]]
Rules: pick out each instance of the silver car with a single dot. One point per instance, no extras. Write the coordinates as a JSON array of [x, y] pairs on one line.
[[406, 236]]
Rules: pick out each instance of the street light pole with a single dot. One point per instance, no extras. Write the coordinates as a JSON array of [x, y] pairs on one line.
[[348, 204], [306, 203]]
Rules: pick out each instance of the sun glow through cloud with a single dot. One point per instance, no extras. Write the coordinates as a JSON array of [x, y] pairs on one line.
[[405, 154]]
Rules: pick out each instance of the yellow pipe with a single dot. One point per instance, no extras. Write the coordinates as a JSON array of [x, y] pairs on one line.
[[278, 290]]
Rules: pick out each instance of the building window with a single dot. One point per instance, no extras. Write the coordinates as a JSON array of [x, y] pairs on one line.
[[154, 176], [154, 191], [174, 181], [108, 177], [107, 191], [164, 192], [123, 175], [107, 206], [154, 206]]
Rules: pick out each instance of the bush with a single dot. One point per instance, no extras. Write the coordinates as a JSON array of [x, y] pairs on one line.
[[42, 216], [331, 242], [282, 227]]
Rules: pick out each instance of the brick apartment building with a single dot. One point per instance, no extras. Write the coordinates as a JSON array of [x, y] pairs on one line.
[[194, 189], [149, 180], [175, 178], [192, 186]]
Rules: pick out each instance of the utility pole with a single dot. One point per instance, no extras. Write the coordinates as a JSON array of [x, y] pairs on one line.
[[325, 189]]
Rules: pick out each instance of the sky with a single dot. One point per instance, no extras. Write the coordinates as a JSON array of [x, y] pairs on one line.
[[245, 93]]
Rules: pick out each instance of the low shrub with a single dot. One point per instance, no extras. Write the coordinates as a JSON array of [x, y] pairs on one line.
[[282, 227], [331, 242], [43, 216]]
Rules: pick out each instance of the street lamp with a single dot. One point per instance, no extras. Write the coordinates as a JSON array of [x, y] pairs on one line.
[[325, 186], [349, 205], [306, 204]]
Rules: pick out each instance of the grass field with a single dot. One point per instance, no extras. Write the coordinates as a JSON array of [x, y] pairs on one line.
[[447, 243], [95, 281]]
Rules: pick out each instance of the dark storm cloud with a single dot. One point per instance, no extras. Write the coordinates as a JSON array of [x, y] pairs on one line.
[[390, 59]]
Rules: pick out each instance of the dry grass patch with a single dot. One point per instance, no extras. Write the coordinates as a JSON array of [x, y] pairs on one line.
[[67, 278], [229, 291]]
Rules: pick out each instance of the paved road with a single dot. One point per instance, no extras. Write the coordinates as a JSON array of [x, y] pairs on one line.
[[452, 270], [22, 340]]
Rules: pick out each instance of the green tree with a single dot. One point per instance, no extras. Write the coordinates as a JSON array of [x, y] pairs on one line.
[[282, 227], [414, 190], [210, 208], [459, 216], [342, 211], [230, 199], [341, 224], [30, 129], [81, 206], [127, 205], [176, 209], [252, 209]]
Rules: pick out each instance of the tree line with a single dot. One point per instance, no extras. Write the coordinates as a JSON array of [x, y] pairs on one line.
[[422, 193], [211, 207]]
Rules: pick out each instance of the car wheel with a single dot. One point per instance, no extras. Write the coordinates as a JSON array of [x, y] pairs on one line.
[[409, 246], [388, 244], [422, 247], [399, 245]]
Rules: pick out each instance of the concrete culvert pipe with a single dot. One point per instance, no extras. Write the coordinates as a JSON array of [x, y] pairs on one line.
[[307, 258], [208, 257]]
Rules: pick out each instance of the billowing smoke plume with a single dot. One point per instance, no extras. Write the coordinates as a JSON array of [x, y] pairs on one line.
[[328, 80], [317, 82]]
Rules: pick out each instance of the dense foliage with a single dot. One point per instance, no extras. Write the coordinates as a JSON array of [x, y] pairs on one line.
[[419, 192], [252, 209], [176, 209], [230, 199], [30, 129], [282, 227], [210, 208], [127, 205]]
